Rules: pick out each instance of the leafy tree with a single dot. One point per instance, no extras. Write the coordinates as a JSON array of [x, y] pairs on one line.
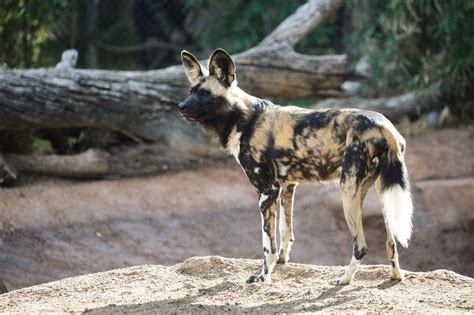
[[23, 29], [416, 44], [239, 25]]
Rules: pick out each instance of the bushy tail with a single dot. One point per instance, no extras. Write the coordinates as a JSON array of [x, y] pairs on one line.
[[395, 188]]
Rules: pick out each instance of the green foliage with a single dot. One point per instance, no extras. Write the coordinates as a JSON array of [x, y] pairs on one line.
[[238, 25], [324, 39], [42, 143], [415, 44], [23, 29]]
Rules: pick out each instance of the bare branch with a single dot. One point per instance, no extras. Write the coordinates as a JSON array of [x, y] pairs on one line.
[[297, 25]]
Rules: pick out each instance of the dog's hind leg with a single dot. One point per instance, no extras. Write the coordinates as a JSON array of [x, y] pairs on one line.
[[353, 215], [268, 205], [286, 223], [395, 272], [356, 180]]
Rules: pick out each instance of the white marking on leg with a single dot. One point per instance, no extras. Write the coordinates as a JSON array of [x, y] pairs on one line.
[[256, 170], [270, 258], [262, 199], [395, 272], [265, 237], [285, 236], [350, 271]]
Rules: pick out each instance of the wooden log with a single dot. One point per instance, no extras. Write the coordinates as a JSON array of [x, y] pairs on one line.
[[123, 161], [394, 108], [7, 172], [89, 164]]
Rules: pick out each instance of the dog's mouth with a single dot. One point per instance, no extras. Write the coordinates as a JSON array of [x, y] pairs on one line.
[[187, 116]]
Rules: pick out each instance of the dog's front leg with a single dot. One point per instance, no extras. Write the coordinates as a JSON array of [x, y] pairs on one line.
[[268, 205], [286, 223]]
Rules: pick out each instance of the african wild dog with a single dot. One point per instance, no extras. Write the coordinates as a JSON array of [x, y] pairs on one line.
[[278, 147]]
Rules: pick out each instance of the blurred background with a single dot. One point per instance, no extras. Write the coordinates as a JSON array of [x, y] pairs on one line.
[[85, 198]]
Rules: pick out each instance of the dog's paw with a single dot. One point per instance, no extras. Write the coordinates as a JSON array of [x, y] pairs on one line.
[[396, 275], [256, 278], [343, 281], [283, 260]]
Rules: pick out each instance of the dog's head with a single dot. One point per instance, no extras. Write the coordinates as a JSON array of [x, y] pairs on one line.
[[209, 94]]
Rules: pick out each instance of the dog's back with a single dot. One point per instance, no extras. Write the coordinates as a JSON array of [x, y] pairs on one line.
[[309, 145]]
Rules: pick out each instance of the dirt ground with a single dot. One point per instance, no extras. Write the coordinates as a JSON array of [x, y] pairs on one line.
[[214, 284], [52, 229]]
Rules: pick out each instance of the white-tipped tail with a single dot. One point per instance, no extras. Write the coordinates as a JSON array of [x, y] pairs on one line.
[[398, 211]]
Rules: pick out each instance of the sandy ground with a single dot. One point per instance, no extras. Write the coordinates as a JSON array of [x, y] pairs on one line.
[[216, 285], [52, 229]]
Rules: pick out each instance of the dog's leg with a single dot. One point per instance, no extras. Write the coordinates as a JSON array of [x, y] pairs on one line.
[[395, 272], [286, 223], [268, 206], [355, 182], [353, 215]]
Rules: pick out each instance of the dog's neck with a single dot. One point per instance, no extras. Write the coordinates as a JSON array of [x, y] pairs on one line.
[[242, 98], [233, 122]]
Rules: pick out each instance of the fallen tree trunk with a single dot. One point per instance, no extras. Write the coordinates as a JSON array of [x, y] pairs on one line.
[[141, 103], [119, 162], [89, 164], [394, 108], [7, 173]]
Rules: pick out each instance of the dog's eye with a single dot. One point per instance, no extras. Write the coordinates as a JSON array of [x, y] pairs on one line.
[[204, 93]]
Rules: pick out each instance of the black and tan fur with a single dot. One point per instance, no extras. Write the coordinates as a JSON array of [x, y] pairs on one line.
[[279, 147]]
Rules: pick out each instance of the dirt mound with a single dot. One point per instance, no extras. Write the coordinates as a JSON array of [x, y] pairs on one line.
[[215, 284], [52, 229]]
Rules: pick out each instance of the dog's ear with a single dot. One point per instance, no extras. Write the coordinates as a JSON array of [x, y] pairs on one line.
[[222, 66], [192, 67]]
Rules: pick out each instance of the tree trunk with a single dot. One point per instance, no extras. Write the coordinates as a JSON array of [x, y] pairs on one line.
[[120, 162], [7, 172], [91, 163], [394, 108]]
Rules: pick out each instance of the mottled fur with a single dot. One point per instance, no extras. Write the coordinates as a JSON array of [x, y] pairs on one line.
[[279, 147]]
